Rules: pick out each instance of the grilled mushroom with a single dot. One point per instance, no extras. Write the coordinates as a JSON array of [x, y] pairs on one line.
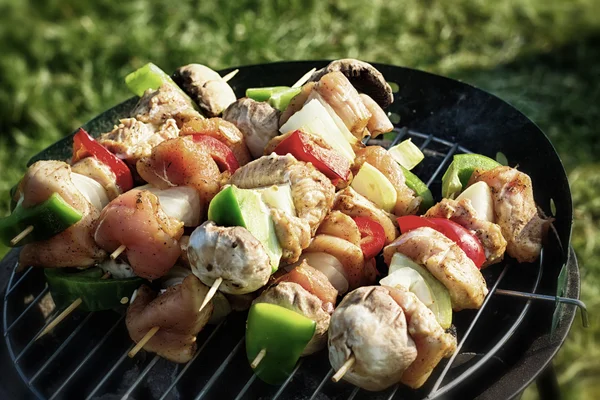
[[205, 87], [365, 78]]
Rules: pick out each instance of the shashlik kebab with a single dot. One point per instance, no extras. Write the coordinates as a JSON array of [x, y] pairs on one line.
[[299, 218]]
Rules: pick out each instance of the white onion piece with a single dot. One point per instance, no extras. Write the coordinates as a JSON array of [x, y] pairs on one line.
[[118, 269], [480, 195], [327, 264], [175, 276], [91, 190], [180, 202]]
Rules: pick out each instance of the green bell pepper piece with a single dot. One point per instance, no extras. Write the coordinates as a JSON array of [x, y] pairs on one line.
[[282, 333], [233, 206], [280, 100], [96, 294], [47, 218], [152, 77], [420, 188], [460, 170], [264, 94]]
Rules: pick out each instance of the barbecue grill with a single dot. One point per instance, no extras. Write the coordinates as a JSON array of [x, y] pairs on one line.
[[502, 348]]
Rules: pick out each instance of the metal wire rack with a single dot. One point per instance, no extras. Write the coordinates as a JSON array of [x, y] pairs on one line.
[[83, 359]]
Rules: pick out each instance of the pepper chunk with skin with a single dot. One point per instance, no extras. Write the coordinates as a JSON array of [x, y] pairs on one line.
[[282, 333]]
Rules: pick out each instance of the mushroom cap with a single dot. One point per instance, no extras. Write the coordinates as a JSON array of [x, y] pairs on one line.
[[363, 76]]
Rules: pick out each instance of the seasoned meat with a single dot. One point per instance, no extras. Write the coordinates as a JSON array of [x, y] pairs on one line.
[[136, 220], [515, 211], [408, 202], [379, 122], [446, 261], [222, 130], [100, 172], [73, 247], [205, 87], [133, 139], [312, 194], [339, 93], [293, 234], [371, 326], [353, 204], [167, 102], [340, 225], [432, 342], [258, 121], [175, 312], [230, 253], [182, 162], [294, 297], [463, 213]]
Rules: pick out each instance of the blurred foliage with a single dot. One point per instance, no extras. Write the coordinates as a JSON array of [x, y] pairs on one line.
[[64, 61]]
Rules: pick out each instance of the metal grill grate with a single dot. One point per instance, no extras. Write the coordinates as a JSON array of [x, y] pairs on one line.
[[97, 372]]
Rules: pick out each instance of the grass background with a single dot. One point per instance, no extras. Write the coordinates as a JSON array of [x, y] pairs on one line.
[[62, 62]]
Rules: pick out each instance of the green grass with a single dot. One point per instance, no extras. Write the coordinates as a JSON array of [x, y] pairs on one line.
[[62, 62]]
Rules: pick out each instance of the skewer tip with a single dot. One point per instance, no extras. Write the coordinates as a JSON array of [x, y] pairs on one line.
[[344, 368], [211, 292], [259, 357], [143, 341], [118, 252], [230, 75], [21, 236]]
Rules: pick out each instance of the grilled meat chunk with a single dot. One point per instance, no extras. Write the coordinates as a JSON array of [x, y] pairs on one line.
[[371, 326], [515, 211], [379, 122], [167, 102], [175, 312], [100, 172], [340, 225], [446, 261]]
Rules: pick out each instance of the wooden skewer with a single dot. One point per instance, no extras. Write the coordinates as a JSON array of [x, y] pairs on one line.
[[261, 354], [21, 235], [342, 371], [118, 252], [304, 78], [155, 329], [230, 75], [143, 341], [65, 313], [211, 292]]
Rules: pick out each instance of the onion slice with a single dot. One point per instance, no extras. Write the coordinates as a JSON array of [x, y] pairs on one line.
[[179, 202], [328, 265], [91, 190]]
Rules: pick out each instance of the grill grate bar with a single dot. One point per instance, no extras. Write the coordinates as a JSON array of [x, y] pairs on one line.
[[33, 339], [444, 161], [438, 140], [141, 377], [391, 396], [439, 381], [18, 282], [288, 380], [189, 363], [246, 387], [220, 370], [426, 142], [112, 370], [89, 355], [399, 136], [325, 379], [354, 393], [29, 307], [61, 347]]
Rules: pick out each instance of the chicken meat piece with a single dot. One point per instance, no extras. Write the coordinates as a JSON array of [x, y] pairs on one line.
[[136, 220], [175, 312], [379, 122], [100, 172], [349, 255], [351, 203], [222, 130], [312, 195], [232, 254], [407, 202], [446, 261], [73, 247], [339, 93], [183, 162], [515, 211], [463, 213], [371, 326], [314, 281], [297, 103], [167, 102], [340, 225], [257, 120], [206, 87], [133, 139], [433, 343], [294, 297]]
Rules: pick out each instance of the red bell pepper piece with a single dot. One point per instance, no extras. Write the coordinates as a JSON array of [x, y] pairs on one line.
[[372, 236], [219, 152], [84, 145], [468, 242], [328, 161]]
